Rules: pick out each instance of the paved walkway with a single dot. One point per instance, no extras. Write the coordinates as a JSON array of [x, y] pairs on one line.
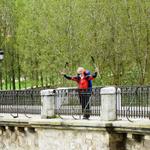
[[65, 117]]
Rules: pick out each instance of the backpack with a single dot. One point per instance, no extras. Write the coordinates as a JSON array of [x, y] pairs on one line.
[[90, 81]]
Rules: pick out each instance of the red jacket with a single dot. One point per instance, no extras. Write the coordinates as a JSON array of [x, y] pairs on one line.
[[82, 81]]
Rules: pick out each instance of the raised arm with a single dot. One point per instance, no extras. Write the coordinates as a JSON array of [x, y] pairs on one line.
[[76, 78], [93, 76]]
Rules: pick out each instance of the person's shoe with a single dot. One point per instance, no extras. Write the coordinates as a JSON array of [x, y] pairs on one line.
[[85, 118]]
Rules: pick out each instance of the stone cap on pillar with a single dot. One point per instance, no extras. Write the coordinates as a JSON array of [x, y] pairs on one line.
[[108, 90], [48, 92]]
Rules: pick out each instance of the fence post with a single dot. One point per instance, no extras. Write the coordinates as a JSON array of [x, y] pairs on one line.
[[108, 104], [48, 105], [119, 99]]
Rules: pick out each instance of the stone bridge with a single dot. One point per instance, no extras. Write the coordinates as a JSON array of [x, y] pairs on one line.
[[107, 132]]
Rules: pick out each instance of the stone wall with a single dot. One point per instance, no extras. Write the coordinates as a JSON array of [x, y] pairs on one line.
[[73, 140], [57, 134], [137, 142], [18, 138]]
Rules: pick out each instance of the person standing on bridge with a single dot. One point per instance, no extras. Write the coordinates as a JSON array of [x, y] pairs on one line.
[[82, 80]]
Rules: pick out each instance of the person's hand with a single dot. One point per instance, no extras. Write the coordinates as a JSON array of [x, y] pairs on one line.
[[96, 69], [62, 73]]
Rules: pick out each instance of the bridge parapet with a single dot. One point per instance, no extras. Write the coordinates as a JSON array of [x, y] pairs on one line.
[[39, 134]]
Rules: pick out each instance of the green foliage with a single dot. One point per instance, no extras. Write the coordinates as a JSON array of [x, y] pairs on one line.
[[40, 36]]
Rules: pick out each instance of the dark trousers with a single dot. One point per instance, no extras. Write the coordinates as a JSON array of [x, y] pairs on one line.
[[84, 101]]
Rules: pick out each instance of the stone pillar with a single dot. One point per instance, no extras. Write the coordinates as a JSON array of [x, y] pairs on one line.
[[108, 104], [48, 105]]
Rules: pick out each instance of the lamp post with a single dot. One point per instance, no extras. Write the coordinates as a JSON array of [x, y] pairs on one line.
[[1, 58]]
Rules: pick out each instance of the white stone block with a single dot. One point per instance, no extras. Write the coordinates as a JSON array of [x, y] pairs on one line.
[[48, 105], [108, 104]]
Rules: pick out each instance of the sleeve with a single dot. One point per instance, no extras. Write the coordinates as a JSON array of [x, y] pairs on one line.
[[67, 77], [91, 77], [94, 75], [76, 78]]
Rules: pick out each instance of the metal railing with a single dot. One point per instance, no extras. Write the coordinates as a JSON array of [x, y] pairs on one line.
[[77, 102], [20, 102], [133, 102]]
